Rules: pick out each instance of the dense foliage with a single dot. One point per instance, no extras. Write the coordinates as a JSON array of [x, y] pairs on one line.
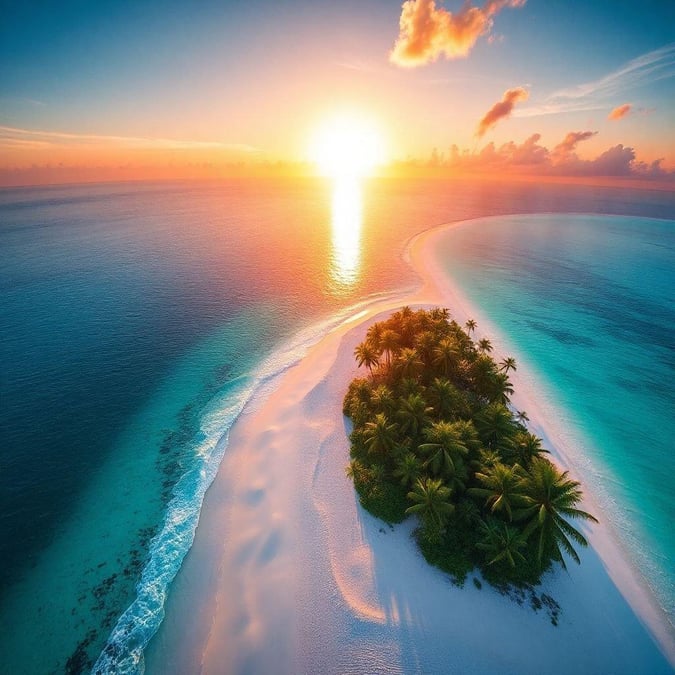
[[433, 436]]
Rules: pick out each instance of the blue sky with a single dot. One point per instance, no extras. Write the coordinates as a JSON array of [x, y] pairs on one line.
[[259, 74]]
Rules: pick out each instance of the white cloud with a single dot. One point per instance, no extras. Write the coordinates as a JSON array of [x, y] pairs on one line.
[[648, 68], [58, 138]]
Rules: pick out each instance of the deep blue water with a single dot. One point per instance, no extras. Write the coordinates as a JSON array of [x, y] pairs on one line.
[[589, 300], [136, 319]]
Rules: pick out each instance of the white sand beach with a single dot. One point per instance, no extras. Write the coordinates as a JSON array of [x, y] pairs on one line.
[[289, 574]]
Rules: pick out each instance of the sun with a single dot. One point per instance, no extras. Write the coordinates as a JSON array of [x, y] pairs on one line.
[[347, 146]]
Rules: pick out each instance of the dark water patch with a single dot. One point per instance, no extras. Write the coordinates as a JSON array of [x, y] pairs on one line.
[[577, 378], [112, 594], [559, 334], [627, 384]]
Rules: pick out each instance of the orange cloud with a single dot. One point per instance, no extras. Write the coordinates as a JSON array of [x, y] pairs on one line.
[[619, 112], [568, 145], [428, 32], [502, 109]]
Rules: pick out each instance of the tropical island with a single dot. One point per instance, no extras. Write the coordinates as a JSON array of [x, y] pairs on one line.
[[433, 436]]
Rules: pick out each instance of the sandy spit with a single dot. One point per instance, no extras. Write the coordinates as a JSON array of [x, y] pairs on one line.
[[288, 574]]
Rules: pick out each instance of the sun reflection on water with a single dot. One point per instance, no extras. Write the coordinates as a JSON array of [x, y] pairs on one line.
[[347, 205]]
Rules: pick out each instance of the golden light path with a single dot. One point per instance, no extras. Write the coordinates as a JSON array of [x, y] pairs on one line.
[[346, 218], [346, 148]]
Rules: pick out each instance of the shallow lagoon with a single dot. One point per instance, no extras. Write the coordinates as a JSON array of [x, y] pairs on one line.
[[135, 317]]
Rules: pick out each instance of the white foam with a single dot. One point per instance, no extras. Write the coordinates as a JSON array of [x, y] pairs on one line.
[[123, 652]]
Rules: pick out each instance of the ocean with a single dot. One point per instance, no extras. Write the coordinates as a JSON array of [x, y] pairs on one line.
[[588, 299], [137, 319]]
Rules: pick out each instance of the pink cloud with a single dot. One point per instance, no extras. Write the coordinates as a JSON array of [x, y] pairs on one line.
[[616, 161], [428, 32], [527, 154], [653, 170], [619, 112], [531, 158], [501, 109]]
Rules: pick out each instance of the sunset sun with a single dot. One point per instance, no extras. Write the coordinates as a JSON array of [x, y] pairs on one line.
[[347, 146]]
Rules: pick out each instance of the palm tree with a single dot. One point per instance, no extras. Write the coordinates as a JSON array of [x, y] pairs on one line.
[[367, 355], [467, 432], [501, 542], [353, 468], [448, 401], [551, 497], [389, 341], [408, 469], [470, 326], [408, 362], [483, 374], [446, 451], [432, 501], [527, 446], [440, 314], [405, 320], [410, 385], [357, 472], [468, 513], [496, 427], [377, 472], [502, 489], [502, 389], [382, 399], [379, 435], [484, 346], [487, 459], [425, 344], [509, 363], [445, 356], [413, 414], [443, 394], [522, 416], [461, 337]]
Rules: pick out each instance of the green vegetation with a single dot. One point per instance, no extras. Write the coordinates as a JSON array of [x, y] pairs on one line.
[[433, 436]]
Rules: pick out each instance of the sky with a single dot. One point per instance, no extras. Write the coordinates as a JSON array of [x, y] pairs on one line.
[[552, 86]]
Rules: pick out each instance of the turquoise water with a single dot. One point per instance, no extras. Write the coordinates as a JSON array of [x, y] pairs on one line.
[[136, 320], [589, 301]]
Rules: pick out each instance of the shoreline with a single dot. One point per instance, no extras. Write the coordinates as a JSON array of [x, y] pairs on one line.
[[566, 448], [288, 573]]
